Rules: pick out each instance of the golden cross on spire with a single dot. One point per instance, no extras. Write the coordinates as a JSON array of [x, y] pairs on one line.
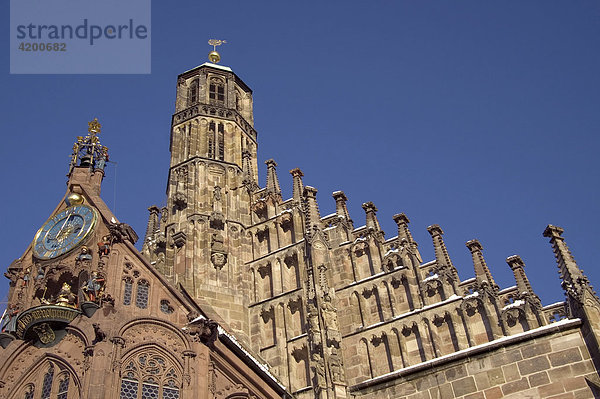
[[214, 56], [94, 126]]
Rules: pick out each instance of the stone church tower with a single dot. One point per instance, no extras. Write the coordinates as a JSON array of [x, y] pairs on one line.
[[241, 293]]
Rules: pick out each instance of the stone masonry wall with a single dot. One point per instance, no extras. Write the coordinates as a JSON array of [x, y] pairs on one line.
[[555, 366]]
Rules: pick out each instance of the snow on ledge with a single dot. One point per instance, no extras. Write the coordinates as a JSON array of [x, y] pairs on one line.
[[558, 326]]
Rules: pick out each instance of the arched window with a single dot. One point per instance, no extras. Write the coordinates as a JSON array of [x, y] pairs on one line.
[[50, 379], [211, 140], [221, 142], [141, 296], [127, 291], [29, 391], [63, 387], [47, 384], [152, 374], [216, 91], [193, 93]]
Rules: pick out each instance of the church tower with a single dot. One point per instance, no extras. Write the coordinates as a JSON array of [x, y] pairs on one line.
[[196, 240]]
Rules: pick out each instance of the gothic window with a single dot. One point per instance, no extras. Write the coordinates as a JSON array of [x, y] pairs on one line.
[[47, 384], [129, 389], [193, 93], [52, 378], [211, 140], [216, 91], [141, 296], [221, 142], [63, 387], [29, 391], [151, 374], [238, 100], [127, 291], [165, 307]]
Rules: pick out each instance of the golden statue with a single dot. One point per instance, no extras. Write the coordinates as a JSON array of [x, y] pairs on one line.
[[65, 296]]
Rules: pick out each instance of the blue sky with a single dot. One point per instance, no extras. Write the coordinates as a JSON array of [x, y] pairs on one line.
[[478, 116]]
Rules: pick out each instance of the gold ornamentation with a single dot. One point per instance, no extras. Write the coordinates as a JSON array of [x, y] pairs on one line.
[[94, 126], [214, 56], [45, 333]]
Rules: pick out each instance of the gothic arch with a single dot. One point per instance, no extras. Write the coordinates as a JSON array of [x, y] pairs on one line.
[[151, 368], [38, 377], [143, 331]]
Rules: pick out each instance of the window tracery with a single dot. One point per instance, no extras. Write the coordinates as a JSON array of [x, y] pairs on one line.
[[50, 380], [141, 296], [127, 291], [216, 91], [150, 375], [47, 384], [29, 391]]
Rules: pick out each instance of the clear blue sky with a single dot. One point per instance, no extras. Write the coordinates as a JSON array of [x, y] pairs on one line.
[[478, 116]]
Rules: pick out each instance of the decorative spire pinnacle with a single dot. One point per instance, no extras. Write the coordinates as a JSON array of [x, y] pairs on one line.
[[87, 151], [523, 286], [371, 216], [482, 272], [313, 217], [298, 188], [248, 173], [214, 56], [443, 261], [575, 283], [272, 180], [340, 205]]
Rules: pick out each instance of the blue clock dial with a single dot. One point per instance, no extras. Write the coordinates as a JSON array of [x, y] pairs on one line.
[[64, 231]]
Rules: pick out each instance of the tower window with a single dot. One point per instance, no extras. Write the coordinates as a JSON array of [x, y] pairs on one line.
[[211, 140], [216, 91], [141, 297], [221, 141], [193, 93]]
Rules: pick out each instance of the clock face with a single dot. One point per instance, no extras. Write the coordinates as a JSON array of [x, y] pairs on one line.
[[64, 231]]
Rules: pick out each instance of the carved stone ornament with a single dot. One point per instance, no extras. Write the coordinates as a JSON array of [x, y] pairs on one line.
[[180, 200], [44, 332], [205, 331], [218, 259], [179, 239], [121, 232]]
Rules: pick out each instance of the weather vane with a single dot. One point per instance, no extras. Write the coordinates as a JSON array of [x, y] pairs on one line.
[[214, 56]]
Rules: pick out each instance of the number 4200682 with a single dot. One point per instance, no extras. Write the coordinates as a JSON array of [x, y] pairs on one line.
[[43, 46]]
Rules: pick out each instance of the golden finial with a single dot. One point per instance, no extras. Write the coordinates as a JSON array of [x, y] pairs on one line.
[[94, 126], [214, 56]]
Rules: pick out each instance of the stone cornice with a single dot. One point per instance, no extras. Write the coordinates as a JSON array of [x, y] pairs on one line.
[[213, 111]]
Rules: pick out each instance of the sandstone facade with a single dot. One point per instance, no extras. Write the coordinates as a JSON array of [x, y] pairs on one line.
[[246, 293]]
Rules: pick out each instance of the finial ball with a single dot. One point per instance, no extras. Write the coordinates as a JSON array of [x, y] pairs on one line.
[[214, 57], [74, 199]]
